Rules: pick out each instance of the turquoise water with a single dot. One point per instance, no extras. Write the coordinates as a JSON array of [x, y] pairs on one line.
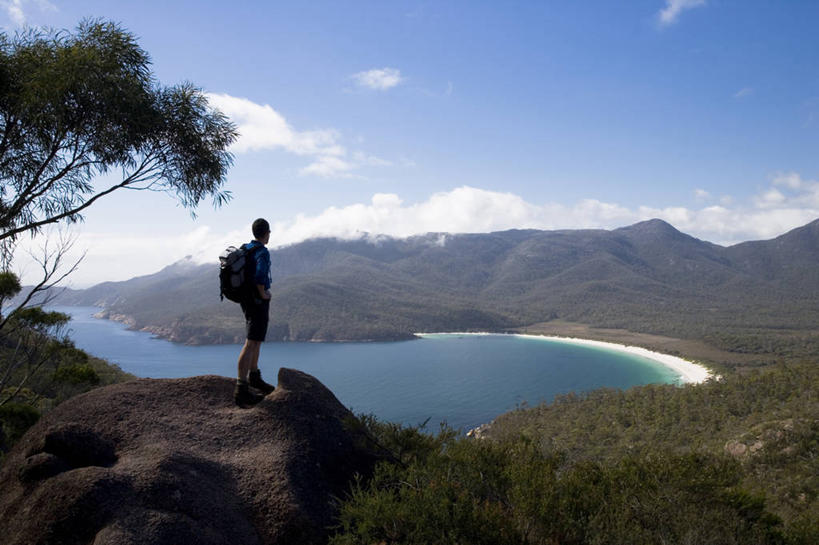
[[465, 380]]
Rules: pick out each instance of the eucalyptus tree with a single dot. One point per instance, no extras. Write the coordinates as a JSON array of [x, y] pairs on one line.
[[81, 116], [78, 107]]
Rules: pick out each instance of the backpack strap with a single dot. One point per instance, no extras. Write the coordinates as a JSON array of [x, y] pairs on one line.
[[246, 247], [252, 253]]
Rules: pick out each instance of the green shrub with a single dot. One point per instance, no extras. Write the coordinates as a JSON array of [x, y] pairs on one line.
[[77, 374], [16, 419], [449, 496], [460, 491]]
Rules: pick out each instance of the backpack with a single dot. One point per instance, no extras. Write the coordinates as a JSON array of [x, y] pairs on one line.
[[236, 269]]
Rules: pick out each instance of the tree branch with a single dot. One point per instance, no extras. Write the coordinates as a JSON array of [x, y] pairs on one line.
[[137, 176], [46, 283], [32, 370], [35, 189], [11, 367]]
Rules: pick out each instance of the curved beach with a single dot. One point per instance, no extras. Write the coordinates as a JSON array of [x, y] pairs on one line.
[[689, 372]]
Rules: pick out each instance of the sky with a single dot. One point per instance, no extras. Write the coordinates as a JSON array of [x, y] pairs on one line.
[[402, 118]]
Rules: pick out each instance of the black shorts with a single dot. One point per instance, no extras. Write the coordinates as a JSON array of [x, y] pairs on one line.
[[256, 316]]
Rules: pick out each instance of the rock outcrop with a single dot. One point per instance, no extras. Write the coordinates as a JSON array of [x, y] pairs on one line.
[[175, 461]]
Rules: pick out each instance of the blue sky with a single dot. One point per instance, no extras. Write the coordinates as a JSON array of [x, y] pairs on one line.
[[408, 117]]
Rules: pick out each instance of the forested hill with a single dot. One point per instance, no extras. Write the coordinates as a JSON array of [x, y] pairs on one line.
[[648, 277]]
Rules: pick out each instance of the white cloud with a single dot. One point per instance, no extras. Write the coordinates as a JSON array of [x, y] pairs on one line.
[[744, 92], [789, 179], [362, 158], [469, 209], [770, 198], [461, 210], [702, 194], [673, 9], [328, 166], [16, 9], [379, 79], [263, 128]]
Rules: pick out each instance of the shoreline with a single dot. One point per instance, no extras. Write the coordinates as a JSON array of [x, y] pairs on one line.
[[689, 372]]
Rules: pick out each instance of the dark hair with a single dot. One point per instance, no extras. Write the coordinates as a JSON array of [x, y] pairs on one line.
[[260, 228]]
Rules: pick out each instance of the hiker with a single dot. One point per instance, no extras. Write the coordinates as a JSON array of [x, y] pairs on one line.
[[255, 305]]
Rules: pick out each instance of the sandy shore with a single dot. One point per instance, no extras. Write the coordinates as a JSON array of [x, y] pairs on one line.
[[689, 372]]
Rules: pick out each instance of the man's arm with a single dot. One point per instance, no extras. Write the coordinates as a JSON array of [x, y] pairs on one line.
[[262, 272], [263, 293]]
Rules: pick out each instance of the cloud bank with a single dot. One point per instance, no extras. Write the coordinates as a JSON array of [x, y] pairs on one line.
[[263, 128], [787, 202]]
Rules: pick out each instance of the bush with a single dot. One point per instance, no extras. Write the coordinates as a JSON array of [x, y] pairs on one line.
[[16, 419], [439, 497], [77, 374], [459, 490]]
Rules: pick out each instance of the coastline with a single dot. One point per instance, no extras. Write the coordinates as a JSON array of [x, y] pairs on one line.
[[688, 371]]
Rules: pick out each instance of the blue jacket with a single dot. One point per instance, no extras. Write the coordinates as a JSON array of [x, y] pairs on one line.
[[262, 275]]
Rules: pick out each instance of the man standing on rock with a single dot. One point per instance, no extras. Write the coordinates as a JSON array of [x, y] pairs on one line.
[[256, 307]]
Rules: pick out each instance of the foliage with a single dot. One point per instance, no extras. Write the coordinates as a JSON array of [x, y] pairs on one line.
[[74, 106], [40, 320], [768, 420], [30, 339], [729, 461], [77, 374], [15, 419], [702, 416], [39, 370], [457, 490], [76, 109], [9, 285]]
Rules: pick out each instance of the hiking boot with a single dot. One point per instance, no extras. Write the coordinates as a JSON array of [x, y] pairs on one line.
[[244, 397], [255, 381]]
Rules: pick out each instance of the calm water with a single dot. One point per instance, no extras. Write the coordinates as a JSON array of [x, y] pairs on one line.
[[464, 380]]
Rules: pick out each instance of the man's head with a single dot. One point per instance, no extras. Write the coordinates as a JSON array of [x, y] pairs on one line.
[[261, 230]]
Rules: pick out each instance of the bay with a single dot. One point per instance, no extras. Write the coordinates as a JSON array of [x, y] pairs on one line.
[[464, 380]]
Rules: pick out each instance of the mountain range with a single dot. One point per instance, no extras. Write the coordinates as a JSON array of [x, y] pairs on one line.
[[647, 277]]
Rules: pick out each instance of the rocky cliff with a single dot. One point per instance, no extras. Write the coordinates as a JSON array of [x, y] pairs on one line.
[[175, 461]]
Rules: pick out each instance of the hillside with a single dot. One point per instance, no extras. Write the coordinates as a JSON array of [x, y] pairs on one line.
[[649, 277], [724, 462]]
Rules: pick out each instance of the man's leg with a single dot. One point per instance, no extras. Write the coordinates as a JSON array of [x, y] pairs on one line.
[[255, 376], [248, 358], [254, 356], [242, 395], [259, 332]]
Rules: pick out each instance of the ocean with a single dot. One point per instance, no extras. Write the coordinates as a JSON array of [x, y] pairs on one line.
[[463, 380]]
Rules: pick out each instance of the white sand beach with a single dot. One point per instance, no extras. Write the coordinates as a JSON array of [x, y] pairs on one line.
[[688, 371]]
